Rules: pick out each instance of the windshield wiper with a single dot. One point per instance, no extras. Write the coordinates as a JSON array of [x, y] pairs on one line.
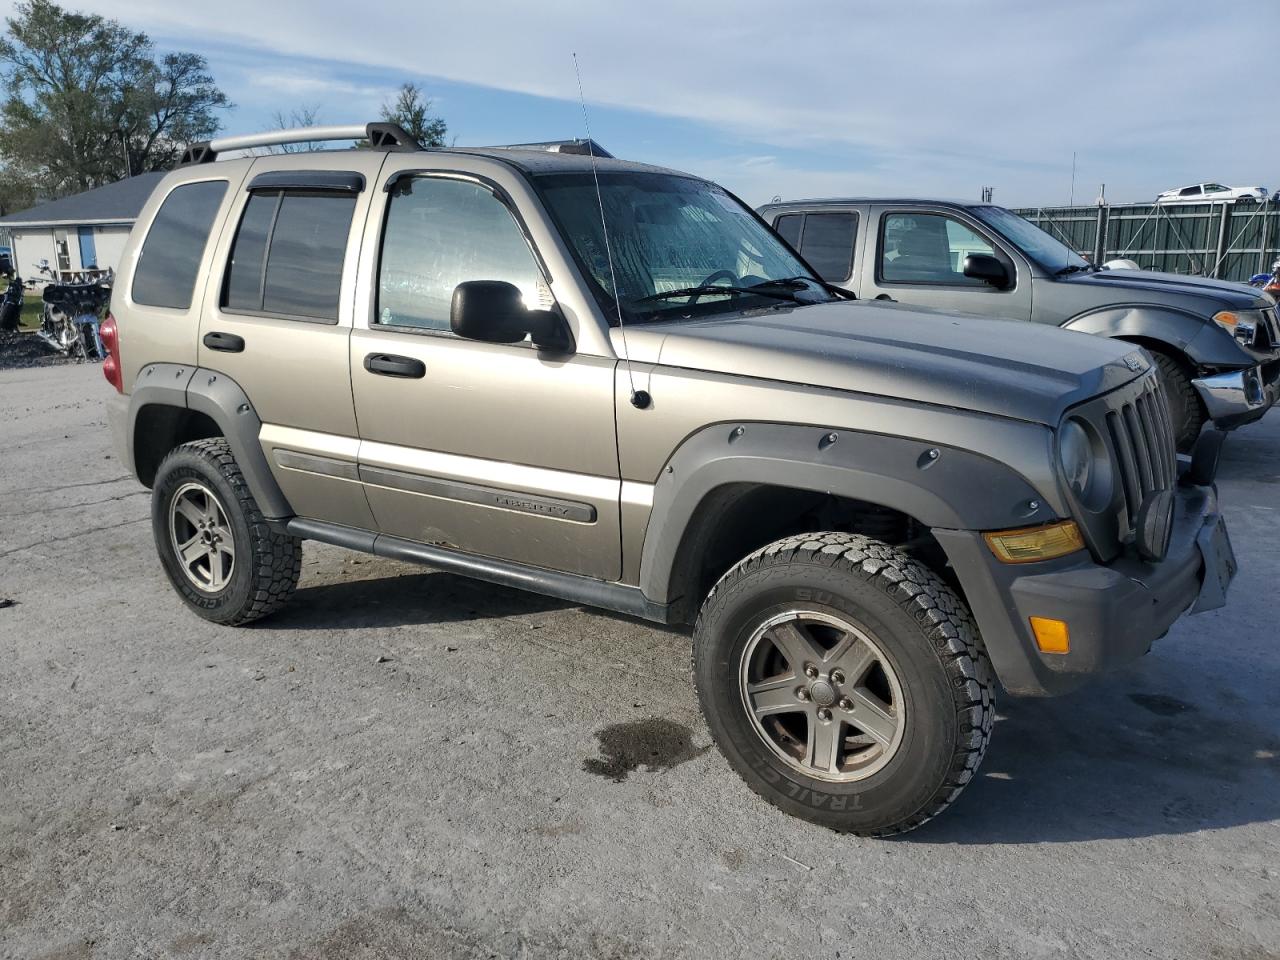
[[712, 289], [803, 283], [1073, 268]]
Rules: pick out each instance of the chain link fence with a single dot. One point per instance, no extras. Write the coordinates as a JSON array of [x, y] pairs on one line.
[[1231, 241]]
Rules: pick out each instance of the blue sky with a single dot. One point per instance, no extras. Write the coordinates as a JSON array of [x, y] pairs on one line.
[[812, 98]]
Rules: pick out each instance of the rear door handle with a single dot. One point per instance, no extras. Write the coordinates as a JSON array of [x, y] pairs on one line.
[[390, 365], [226, 342]]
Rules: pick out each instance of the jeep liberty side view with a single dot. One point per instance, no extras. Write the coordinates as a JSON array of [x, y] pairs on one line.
[[868, 514], [1217, 343]]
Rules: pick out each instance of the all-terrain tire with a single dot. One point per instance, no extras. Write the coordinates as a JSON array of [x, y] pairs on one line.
[[927, 636], [267, 563], [1186, 411]]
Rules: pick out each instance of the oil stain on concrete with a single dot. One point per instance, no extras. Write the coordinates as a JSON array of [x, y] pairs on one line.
[[654, 743]]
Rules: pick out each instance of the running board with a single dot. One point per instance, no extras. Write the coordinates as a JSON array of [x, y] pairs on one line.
[[589, 592]]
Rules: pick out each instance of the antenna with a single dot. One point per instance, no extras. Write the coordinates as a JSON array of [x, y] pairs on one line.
[[640, 399]]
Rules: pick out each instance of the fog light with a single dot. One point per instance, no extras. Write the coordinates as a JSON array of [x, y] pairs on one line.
[[1031, 544], [1052, 636]]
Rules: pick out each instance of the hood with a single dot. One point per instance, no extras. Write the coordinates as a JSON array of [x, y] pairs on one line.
[[1006, 368], [1122, 285]]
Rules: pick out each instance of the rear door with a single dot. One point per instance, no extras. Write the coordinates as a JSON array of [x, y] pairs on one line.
[[499, 450], [277, 320], [916, 254], [829, 240]]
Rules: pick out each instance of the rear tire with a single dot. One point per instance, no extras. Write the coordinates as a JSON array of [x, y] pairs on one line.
[[220, 554], [1186, 411], [909, 730]]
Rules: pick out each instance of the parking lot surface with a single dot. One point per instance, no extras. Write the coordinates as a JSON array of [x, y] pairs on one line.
[[409, 764]]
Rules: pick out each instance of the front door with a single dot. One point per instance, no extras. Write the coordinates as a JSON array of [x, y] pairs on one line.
[[499, 450], [917, 257]]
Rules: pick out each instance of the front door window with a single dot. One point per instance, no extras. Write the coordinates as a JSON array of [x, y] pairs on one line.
[[928, 248]]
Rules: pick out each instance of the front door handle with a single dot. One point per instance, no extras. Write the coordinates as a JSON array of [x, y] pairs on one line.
[[226, 342], [390, 365]]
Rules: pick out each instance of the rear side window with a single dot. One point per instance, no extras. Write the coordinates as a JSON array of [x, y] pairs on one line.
[[825, 240], [828, 244], [788, 226], [288, 252], [171, 254]]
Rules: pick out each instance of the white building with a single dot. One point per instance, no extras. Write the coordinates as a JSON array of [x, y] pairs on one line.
[[83, 232]]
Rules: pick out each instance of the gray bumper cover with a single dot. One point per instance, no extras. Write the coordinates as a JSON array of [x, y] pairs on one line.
[[1114, 612]]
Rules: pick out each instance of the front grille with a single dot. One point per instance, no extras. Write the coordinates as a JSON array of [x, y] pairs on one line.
[[1142, 442], [1133, 423]]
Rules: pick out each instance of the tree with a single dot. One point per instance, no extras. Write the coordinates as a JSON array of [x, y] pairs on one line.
[[17, 192], [304, 116], [412, 111], [88, 102]]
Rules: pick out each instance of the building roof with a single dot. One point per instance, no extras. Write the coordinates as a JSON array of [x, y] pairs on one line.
[[119, 202]]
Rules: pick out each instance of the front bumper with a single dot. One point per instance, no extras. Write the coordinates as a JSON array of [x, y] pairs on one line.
[[1114, 612], [1240, 396]]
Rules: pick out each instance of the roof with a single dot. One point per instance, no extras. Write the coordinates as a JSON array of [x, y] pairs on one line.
[[119, 202], [538, 161], [833, 201]]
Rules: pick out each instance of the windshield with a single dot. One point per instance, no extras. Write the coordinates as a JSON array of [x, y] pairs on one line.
[[1045, 249], [671, 237]]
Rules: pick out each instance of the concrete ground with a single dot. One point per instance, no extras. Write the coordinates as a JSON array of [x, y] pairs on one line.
[[409, 764]]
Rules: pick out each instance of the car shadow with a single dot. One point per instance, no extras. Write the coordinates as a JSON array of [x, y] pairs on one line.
[[405, 599], [1119, 759]]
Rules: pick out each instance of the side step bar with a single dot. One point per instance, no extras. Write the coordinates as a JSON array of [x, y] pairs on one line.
[[617, 597]]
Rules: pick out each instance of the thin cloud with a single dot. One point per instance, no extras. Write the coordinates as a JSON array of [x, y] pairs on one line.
[[953, 95]]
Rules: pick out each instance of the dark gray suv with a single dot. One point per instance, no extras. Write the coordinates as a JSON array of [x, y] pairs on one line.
[[1217, 343]]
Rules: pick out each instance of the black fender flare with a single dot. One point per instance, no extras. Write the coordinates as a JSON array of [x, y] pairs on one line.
[[937, 485], [224, 402], [1198, 338]]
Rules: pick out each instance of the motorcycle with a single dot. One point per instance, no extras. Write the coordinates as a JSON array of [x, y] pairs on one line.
[[72, 313], [1270, 282], [11, 304]]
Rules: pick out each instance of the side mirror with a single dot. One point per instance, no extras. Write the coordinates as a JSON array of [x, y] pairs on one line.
[[492, 311], [985, 267]]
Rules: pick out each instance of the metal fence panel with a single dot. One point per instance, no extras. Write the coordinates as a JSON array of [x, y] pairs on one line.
[[1232, 241]]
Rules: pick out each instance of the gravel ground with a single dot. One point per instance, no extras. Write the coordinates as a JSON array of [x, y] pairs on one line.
[[409, 764], [24, 349]]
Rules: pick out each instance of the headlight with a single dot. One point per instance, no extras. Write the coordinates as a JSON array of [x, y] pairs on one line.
[[1243, 325], [1086, 466]]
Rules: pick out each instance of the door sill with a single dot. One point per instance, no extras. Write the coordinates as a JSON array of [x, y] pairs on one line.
[[618, 597]]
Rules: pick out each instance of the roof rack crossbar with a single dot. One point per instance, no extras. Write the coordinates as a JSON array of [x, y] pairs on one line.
[[383, 136]]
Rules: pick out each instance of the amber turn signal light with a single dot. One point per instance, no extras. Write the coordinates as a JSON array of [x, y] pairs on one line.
[[1031, 544], [1052, 636]]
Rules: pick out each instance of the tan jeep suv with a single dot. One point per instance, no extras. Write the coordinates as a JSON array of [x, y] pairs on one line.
[[613, 384]]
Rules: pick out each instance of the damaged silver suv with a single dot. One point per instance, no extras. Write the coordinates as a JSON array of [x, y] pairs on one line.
[[612, 383]]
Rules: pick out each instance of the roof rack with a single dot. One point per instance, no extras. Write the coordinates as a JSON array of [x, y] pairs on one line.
[[381, 136], [578, 147]]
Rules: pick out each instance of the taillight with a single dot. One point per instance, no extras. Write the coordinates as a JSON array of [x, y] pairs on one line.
[[111, 362]]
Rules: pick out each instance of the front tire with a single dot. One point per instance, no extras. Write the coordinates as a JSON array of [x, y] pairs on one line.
[[220, 554], [844, 682], [1186, 411]]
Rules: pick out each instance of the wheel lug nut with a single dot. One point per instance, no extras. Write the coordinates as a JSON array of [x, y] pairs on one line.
[[846, 704], [837, 676], [802, 694], [811, 672], [824, 714]]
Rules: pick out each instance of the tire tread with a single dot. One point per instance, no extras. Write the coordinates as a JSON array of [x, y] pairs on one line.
[[277, 556], [942, 616]]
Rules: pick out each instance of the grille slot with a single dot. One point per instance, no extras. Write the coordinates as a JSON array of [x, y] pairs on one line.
[[1134, 423], [1142, 438]]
